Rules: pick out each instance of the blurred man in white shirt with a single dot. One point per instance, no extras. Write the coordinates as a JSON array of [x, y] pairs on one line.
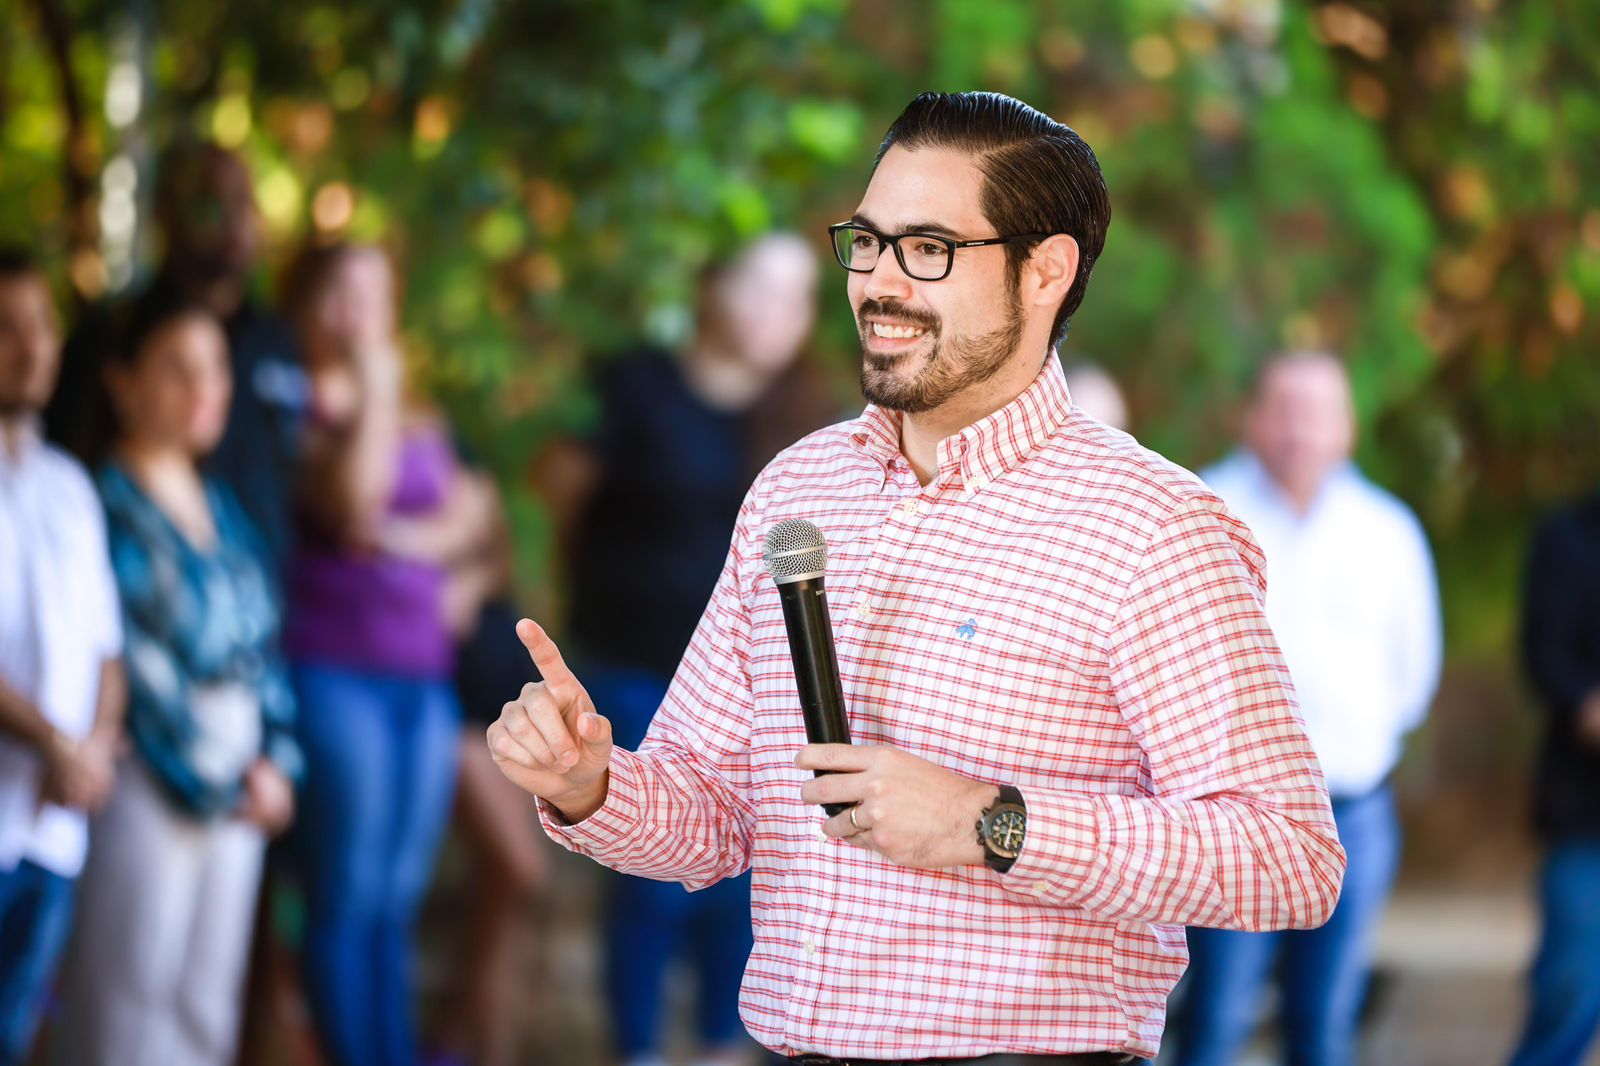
[[1352, 599], [61, 686]]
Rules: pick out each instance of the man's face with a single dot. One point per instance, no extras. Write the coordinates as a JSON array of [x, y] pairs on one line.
[[214, 228], [963, 328], [30, 344], [1301, 424]]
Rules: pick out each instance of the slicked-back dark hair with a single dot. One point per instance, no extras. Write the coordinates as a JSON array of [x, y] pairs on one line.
[[1038, 175]]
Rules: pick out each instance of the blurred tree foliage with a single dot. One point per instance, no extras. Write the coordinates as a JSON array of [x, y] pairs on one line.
[[1410, 184]]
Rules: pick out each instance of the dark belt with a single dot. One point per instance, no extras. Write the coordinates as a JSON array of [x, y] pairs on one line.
[[1087, 1058]]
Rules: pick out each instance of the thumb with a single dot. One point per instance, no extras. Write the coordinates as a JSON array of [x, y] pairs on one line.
[[594, 730]]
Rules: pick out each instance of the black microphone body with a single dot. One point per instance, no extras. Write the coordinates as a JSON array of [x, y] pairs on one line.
[[816, 670], [796, 556]]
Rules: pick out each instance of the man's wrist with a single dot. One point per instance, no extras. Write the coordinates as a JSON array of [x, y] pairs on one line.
[[982, 796], [582, 806], [1000, 828]]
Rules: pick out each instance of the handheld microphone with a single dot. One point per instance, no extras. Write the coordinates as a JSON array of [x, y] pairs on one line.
[[796, 555]]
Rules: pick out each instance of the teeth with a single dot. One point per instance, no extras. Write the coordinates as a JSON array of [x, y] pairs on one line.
[[898, 332]]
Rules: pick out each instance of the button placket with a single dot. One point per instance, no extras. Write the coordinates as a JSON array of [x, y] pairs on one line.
[[806, 990]]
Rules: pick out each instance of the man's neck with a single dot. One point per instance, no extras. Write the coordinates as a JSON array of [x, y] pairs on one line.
[[16, 427], [1301, 497], [921, 433]]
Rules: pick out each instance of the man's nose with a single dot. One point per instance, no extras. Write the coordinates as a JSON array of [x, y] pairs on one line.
[[887, 280]]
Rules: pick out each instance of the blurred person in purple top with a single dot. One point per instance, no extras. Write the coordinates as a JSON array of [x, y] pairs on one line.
[[385, 509]]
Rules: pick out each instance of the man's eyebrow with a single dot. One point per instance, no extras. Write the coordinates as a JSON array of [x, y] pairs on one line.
[[938, 229]]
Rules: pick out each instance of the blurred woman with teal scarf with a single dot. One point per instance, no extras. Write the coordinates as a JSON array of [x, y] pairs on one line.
[[157, 966]]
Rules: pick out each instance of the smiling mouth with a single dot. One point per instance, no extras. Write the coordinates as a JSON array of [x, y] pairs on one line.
[[888, 332]]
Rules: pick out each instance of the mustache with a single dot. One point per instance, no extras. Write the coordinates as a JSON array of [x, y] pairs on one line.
[[895, 309]]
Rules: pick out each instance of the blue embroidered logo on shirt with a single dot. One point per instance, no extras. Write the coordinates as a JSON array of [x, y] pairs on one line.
[[968, 629]]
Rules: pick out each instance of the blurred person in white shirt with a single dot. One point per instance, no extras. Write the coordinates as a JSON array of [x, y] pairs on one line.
[[1353, 601], [61, 689], [1097, 393]]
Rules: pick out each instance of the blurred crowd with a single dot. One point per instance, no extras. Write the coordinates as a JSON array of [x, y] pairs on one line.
[[256, 610]]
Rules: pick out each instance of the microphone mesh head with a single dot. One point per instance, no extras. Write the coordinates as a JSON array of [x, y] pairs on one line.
[[795, 549]]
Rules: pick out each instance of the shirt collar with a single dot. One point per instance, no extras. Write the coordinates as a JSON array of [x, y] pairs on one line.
[[990, 446]]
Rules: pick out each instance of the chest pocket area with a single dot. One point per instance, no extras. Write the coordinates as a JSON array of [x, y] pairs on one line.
[[1030, 692]]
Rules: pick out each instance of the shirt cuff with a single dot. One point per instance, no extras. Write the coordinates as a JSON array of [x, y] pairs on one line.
[[1058, 857], [618, 819]]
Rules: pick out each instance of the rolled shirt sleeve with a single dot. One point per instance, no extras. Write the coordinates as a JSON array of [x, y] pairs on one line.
[[1232, 827], [679, 808]]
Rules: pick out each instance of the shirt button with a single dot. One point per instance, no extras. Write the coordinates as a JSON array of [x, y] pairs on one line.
[[811, 947], [863, 610], [1040, 888]]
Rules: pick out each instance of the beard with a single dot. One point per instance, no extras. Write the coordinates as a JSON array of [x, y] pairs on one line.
[[951, 366]]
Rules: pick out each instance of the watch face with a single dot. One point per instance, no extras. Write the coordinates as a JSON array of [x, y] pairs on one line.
[[1006, 830]]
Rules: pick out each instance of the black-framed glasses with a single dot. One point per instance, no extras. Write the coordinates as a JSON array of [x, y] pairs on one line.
[[924, 256]]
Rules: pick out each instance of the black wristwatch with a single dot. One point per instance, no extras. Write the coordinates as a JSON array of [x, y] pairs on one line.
[[1002, 829]]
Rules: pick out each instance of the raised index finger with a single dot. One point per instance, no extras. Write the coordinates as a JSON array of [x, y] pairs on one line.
[[546, 656]]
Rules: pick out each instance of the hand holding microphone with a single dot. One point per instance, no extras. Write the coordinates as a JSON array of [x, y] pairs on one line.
[[796, 556], [911, 811]]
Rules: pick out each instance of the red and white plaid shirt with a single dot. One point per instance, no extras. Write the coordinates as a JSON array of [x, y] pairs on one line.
[[1058, 609]]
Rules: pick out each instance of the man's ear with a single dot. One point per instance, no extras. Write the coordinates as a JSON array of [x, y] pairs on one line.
[[1054, 267]]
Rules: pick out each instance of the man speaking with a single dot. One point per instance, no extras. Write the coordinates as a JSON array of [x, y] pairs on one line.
[[1073, 733]]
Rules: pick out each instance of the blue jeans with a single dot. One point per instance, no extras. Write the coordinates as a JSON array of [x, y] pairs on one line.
[[380, 776], [1324, 971], [650, 924], [1565, 1010], [35, 917]]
